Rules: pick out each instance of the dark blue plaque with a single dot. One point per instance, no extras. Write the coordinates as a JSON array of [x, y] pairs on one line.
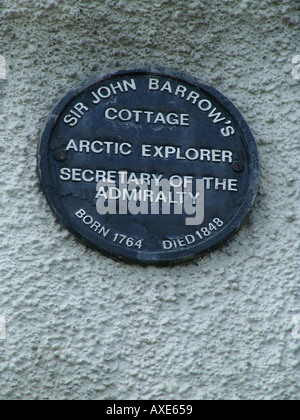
[[148, 166]]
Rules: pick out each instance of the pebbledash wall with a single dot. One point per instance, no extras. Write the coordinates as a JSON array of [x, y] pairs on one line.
[[82, 326]]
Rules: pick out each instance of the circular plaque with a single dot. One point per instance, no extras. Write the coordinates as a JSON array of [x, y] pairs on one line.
[[148, 165]]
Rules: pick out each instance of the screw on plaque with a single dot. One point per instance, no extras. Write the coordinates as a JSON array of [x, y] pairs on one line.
[[60, 155], [238, 166]]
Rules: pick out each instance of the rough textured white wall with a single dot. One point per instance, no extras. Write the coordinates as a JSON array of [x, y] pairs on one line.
[[79, 325]]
